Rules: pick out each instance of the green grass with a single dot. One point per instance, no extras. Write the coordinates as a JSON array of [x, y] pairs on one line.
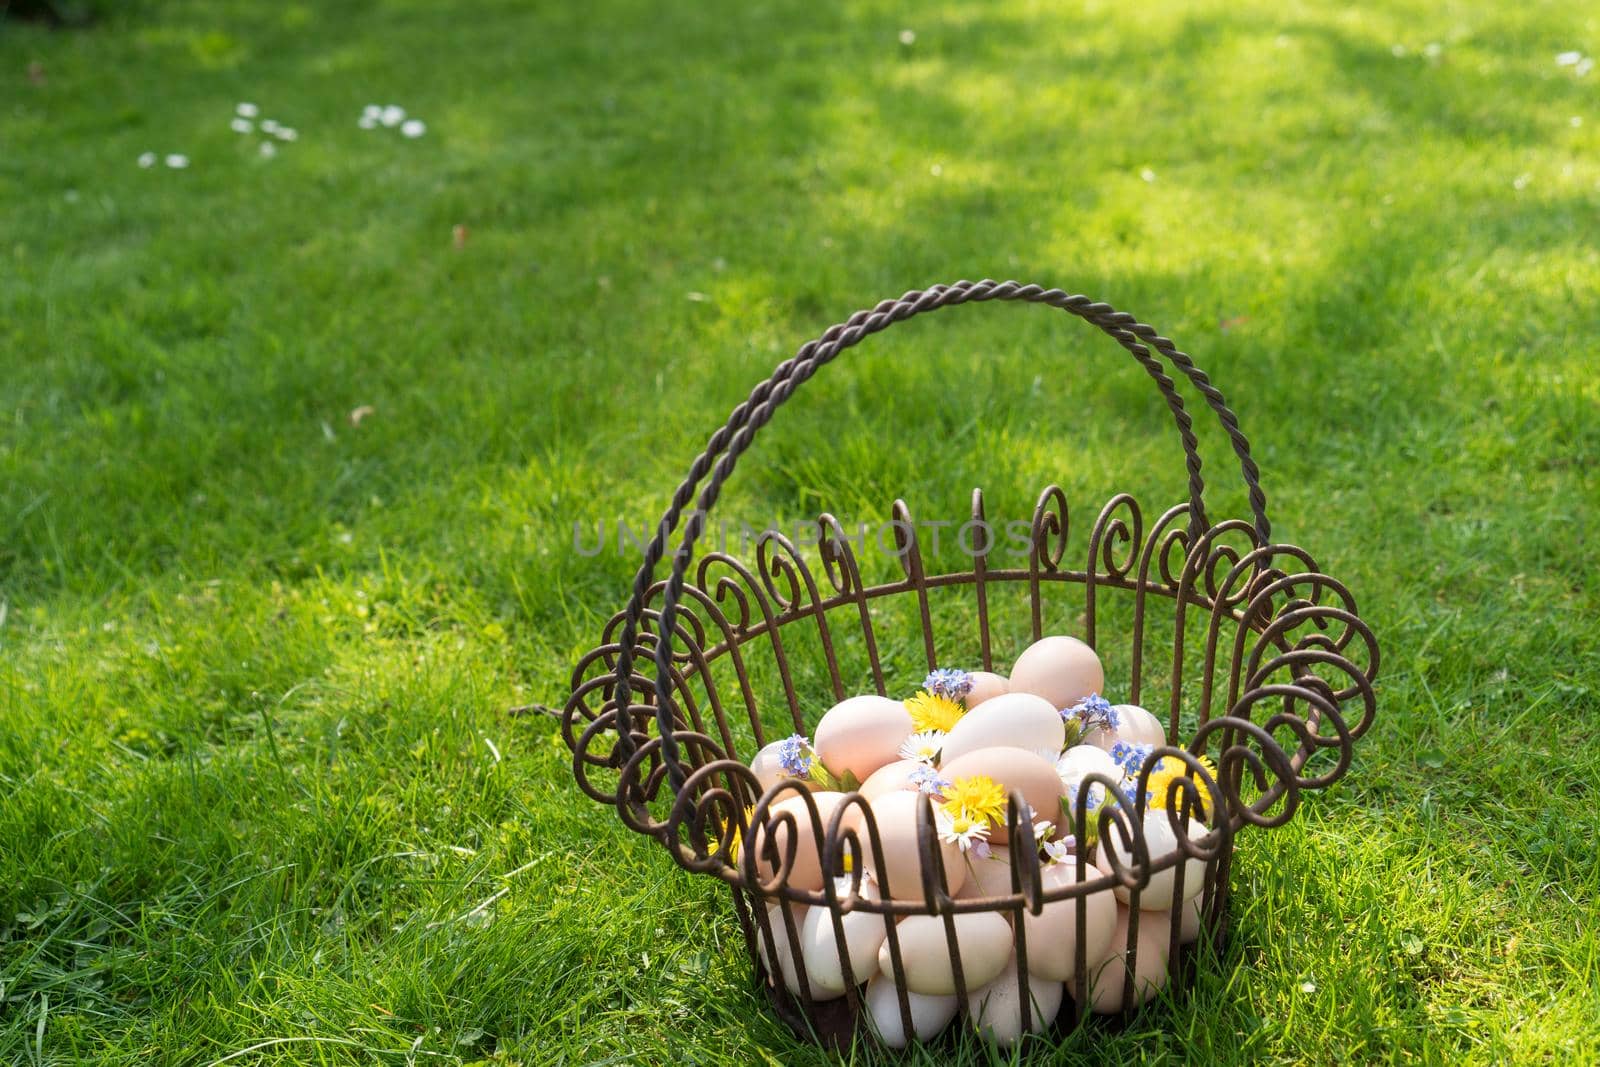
[[254, 656]]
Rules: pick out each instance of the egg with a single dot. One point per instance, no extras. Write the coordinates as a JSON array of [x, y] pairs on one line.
[[1189, 919], [1053, 934], [1011, 720], [767, 767], [889, 778], [1062, 670], [861, 734], [985, 686], [985, 943], [1135, 725], [863, 935], [1150, 965], [1076, 764], [929, 1014], [1014, 769], [989, 876], [996, 1008], [895, 815], [1162, 842], [786, 968], [807, 870]]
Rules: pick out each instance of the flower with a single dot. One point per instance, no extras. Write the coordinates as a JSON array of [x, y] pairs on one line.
[[147, 160], [961, 828], [1043, 830], [242, 125], [949, 683], [1130, 757], [1094, 712], [392, 115], [927, 780], [737, 842], [930, 711], [268, 150], [177, 161], [413, 128], [1061, 851], [923, 746], [247, 110], [977, 796], [794, 756], [1168, 770]]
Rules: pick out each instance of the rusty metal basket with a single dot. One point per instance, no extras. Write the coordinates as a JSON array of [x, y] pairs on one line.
[[664, 729]]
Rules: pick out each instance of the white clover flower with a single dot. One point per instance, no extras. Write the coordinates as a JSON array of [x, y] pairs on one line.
[[177, 161], [247, 110], [242, 126], [147, 160], [923, 747], [413, 128], [372, 111], [288, 133], [268, 149], [392, 116], [269, 126], [367, 122]]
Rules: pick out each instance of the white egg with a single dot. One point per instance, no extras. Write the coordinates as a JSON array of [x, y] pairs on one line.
[[861, 734], [1162, 842], [895, 815], [786, 968], [1011, 720], [996, 1008], [929, 1014], [1135, 725], [985, 686], [766, 766], [985, 943], [1062, 670], [1076, 764], [1053, 933], [1150, 965], [806, 872], [863, 934]]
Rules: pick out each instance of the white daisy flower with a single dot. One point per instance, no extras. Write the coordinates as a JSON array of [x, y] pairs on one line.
[[961, 830], [288, 133], [242, 125], [371, 111], [392, 116], [177, 161], [923, 747], [367, 122], [413, 128], [268, 149], [147, 160], [269, 126], [247, 110], [1568, 59]]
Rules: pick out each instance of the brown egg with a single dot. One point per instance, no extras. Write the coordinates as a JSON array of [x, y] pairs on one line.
[[1011, 720], [929, 1014], [988, 877], [1014, 769], [996, 1008], [1150, 965], [807, 870], [986, 686], [889, 778], [985, 944], [861, 734], [895, 815], [1053, 933], [1063, 670], [1189, 930]]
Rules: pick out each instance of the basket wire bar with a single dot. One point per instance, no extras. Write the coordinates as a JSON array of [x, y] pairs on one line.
[[1285, 664]]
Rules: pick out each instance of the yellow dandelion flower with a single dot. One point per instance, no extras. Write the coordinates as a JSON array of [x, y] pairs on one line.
[[736, 843], [977, 797], [1167, 771], [931, 712]]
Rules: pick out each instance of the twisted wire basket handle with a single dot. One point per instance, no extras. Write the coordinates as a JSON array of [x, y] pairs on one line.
[[731, 441]]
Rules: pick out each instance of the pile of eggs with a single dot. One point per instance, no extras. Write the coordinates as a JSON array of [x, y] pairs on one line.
[[966, 742]]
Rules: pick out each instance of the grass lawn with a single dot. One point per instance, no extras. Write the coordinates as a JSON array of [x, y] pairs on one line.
[[257, 778]]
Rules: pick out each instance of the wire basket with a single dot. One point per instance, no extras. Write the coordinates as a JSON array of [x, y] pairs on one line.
[[1260, 659]]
